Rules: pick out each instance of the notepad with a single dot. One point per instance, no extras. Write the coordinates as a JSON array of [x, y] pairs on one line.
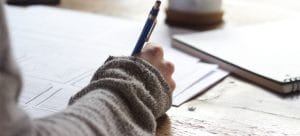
[[266, 54], [58, 58]]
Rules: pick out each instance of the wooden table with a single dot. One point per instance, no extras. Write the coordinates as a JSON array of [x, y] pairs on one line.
[[234, 106]]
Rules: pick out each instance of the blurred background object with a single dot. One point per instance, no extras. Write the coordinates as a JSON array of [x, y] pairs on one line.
[[30, 2], [195, 14]]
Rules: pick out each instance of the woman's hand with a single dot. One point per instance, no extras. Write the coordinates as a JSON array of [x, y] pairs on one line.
[[155, 56]]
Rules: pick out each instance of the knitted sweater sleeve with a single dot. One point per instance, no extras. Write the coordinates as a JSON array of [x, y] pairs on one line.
[[125, 97]]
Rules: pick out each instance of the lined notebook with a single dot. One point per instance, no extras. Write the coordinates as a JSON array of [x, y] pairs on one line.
[[266, 54], [43, 54]]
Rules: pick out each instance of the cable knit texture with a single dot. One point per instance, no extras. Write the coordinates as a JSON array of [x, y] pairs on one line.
[[125, 97]]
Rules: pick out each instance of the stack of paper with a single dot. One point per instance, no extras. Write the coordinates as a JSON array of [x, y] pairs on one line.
[[58, 58]]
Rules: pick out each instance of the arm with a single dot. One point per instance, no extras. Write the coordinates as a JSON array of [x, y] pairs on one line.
[[12, 118], [125, 97]]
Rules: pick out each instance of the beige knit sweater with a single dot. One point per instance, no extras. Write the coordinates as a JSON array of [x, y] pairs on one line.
[[125, 97]]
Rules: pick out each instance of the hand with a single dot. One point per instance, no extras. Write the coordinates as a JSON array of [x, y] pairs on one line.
[[155, 56]]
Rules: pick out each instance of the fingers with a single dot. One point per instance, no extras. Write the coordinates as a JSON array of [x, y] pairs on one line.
[[153, 51], [167, 71], [171, 84], [155, 55], [169, 67]]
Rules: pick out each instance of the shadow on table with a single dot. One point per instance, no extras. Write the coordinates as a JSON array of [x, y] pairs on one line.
[[164, 126]]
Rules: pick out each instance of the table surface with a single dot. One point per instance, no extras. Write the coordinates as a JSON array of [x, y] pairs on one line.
[[234, 106]]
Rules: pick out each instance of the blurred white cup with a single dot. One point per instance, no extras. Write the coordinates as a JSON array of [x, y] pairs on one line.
[[196, 6]]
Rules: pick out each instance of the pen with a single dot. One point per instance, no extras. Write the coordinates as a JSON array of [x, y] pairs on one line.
[[148, 28]]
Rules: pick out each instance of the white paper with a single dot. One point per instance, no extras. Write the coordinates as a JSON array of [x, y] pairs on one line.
[[202, 84], [59, 50]]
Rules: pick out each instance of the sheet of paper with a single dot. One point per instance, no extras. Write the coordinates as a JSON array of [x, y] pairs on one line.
[[200, 85], [32, 90], [58, 58]]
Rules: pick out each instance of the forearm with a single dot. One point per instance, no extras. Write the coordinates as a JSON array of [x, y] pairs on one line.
[[100, 112], [12, 118], [135, 89], [116, 102], [125, 96]]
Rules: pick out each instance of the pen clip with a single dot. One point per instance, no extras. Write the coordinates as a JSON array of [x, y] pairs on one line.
[[151, 30]]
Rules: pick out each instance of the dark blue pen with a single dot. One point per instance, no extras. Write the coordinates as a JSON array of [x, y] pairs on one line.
[[148, 28]]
